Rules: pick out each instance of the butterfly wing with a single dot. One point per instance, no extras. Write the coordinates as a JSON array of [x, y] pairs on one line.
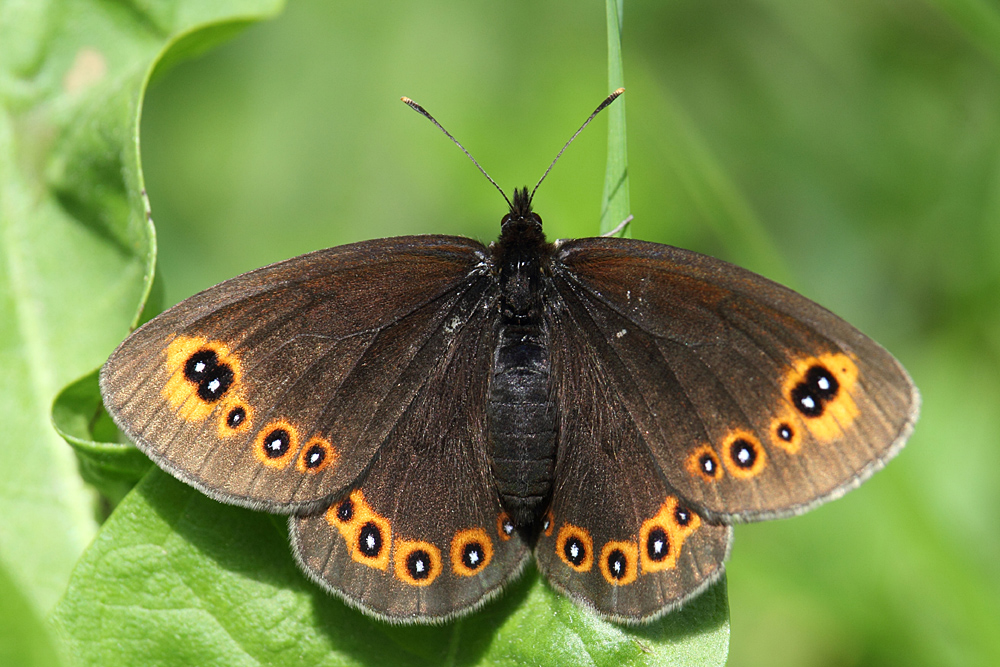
[[753, 401], [275, 389], [617, 537], [423, 537]]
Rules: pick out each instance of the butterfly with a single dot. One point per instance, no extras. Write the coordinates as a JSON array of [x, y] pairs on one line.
[[433, 413]]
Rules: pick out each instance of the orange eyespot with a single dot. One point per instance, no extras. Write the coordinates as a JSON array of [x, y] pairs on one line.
[[505, 527], [743, 454], [417, 563], [548, 522], [661, 537], [819, 390], [237, 417], [575, 547], [471, 552], [704, 463], [368, 534], [786, 433], [276, 444], [316, 455], [619, 562], [201, 376]]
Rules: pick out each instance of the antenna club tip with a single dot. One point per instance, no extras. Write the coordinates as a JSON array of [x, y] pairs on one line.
[[618, 92], [405, 100]]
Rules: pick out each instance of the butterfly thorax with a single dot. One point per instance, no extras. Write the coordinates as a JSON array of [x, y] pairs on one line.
[[521, 416]]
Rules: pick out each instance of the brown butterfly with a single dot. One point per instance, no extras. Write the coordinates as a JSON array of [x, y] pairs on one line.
[[432, 412]]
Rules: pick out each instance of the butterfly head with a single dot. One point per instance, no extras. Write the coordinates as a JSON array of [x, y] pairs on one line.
[[521, 227]]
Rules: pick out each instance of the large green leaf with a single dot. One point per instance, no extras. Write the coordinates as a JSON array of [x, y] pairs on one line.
[[76, 259]]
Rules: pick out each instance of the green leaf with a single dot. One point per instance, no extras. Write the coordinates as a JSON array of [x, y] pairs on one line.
[[111, 466], [175, 578], [76, 258]]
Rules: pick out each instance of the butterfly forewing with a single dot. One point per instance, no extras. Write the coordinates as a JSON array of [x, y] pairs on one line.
[[617, 537], [276, 388], [753, 400], [423, 535]]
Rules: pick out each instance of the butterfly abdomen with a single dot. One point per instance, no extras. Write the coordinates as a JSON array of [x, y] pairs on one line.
[[521, 421]]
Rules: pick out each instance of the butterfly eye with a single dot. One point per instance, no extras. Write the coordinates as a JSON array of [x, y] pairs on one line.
[[417, 563], [471, 551], [619, 563]]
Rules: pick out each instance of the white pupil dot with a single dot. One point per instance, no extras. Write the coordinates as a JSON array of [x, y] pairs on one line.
[[213, 386], [574, 550], [658, 546], [199, 367], [808, 402], [743, 455], [474, 557], [419, 566], [370, 541], [823, 383], [508, 527], [617, 565]]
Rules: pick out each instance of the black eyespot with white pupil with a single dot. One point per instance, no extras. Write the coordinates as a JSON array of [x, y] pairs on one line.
[[657, 545], [345, 511], [682, 516], [708, 464], [370, 541], [276, 443], [236, 417], [213, 377], [418, 564], [315, 456], [817, 389], [473, 555], [617, 564], [743, 453], [575, 550], [785, 432]]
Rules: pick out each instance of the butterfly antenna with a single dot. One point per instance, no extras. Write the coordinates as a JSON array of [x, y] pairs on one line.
[[423, 112], [600, 107]]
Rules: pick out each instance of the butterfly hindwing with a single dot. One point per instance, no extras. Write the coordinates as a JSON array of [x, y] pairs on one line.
[[275, 389], [754, 401], [617, 538], [423, 536]]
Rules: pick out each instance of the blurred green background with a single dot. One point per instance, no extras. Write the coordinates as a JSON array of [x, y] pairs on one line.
[[848, 148]]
